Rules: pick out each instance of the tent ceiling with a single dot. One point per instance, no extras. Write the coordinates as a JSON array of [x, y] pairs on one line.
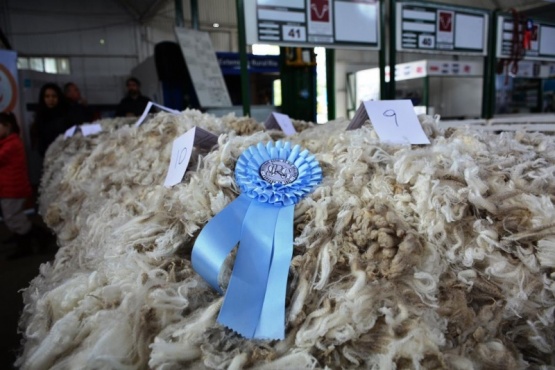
[[144, 10]]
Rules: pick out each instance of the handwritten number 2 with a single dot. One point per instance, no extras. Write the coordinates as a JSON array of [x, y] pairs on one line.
[[391, 113]]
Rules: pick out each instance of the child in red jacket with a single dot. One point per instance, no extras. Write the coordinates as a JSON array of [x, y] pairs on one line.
[[14, 183]]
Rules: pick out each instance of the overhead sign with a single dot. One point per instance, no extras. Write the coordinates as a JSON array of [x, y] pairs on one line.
[[203, 67], [443, 29], [328, 23], [230, 63], [537, 38], [446, 68]]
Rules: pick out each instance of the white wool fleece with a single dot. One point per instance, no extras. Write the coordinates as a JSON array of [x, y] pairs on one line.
[[405, 257]]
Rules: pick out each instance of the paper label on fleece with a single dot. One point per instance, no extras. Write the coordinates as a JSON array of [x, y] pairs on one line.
[[394, 121], [90, 129], [205, 139], [280, 121], [181, 155], [147, 109], [70, 131], [182, 149]]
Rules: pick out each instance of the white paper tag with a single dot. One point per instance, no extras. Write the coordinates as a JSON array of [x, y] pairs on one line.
[[70, 131], [277, 121], [181, 152], [147, 109], [394, 121], [90, 129]]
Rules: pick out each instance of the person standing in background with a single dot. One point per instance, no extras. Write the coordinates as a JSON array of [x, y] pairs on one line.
[[14, 184], [78, 110], [134, 103], [51, 118]]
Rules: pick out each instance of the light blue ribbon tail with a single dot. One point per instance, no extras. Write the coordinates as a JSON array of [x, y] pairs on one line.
[[272, 178], [272, 318], [247, 287], [216, 240]]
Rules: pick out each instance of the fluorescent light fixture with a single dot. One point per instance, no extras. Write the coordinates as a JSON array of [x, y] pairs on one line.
[[216, 25]]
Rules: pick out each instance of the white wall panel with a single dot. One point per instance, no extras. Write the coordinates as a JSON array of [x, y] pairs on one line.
[[456, 97], [223, 12], [220, 41]]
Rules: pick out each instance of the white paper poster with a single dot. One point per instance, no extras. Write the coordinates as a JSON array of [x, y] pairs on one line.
[[204, 68]]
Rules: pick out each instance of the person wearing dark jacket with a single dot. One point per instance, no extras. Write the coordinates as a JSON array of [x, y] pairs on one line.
[[15, 187], [78, 110], [134, 103], [51, 118]]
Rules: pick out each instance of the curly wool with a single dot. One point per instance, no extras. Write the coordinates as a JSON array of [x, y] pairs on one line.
[[405, 257]]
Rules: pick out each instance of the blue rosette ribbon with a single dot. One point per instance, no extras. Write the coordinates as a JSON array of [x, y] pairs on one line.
[[272, 178]]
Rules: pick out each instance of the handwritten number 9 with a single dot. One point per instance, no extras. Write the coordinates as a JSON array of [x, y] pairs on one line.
[[182, 154], [391, 113]]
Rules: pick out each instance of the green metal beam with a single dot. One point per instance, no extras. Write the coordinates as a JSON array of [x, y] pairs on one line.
[[382, 55], [392, 48], [351, 94], [179, 20], [426, 94], [245, 93], [330, 82], [194, 15]]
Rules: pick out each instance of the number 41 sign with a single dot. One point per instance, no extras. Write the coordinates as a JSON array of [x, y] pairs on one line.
[[293, 33], [394, 121]]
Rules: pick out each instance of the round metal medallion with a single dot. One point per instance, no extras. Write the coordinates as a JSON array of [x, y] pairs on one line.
[[279, 171]]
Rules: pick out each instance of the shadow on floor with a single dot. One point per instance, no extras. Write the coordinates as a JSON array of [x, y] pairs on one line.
[[15, 275]]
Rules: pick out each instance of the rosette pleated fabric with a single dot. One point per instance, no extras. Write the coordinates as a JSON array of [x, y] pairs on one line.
[[272, 179]]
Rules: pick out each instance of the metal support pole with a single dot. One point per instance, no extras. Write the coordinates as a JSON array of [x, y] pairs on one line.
[[245, 93], [426, 95], [179, 20], [330, 82], [392, 48], [383, 85], [194, 15], [488, 88]]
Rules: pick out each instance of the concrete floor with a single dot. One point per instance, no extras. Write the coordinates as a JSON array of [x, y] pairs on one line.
[[14, 276]]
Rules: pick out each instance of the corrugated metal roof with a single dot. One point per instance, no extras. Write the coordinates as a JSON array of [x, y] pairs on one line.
[[224, 12]]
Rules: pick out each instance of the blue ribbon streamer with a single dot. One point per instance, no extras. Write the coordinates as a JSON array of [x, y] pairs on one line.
[[261, 221], [217, 239], [273, 309]]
